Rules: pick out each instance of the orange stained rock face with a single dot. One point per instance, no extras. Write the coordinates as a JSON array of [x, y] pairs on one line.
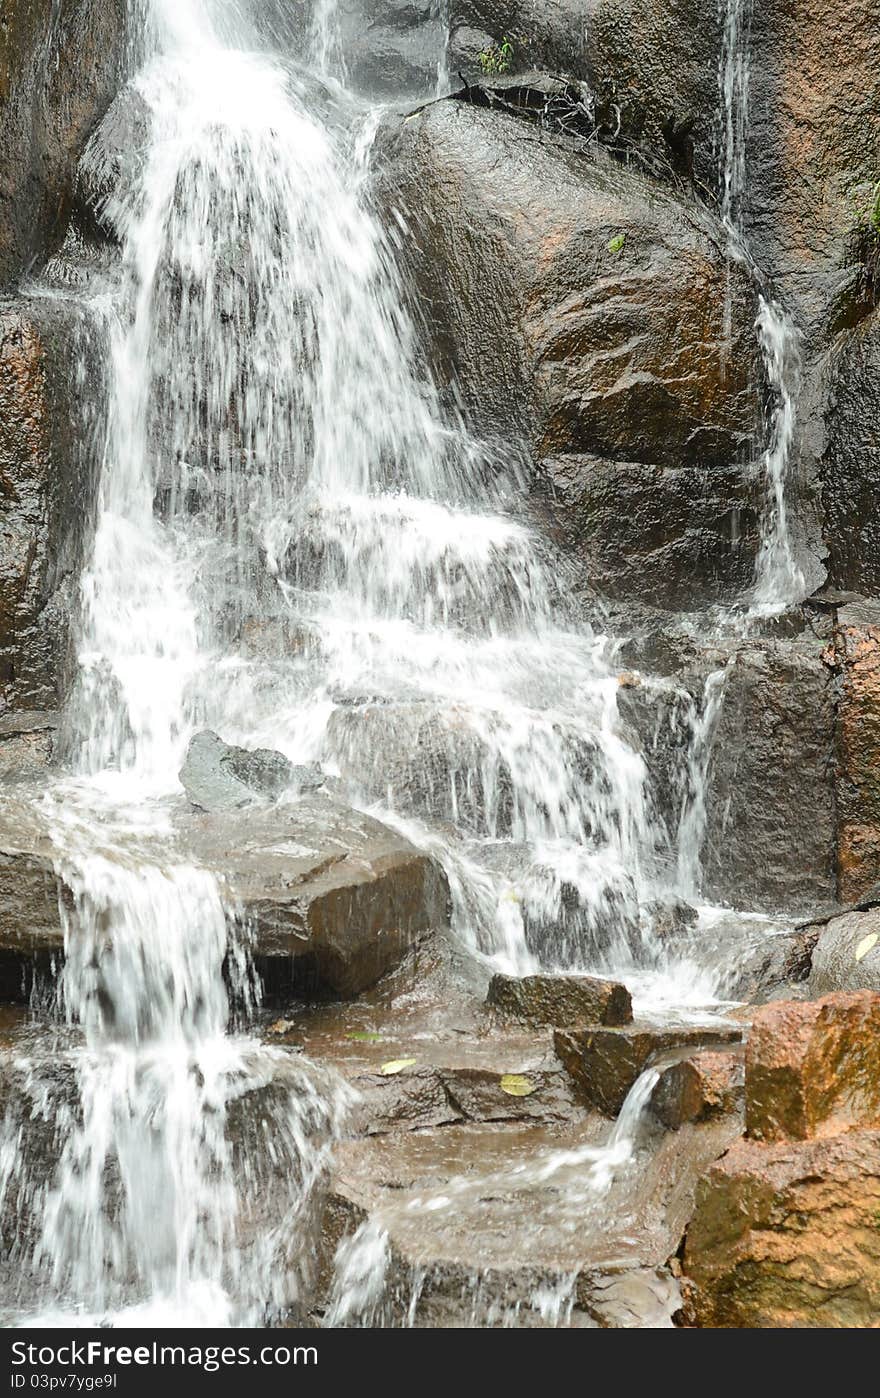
[[813, 1067]]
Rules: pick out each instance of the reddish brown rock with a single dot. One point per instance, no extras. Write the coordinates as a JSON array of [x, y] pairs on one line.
[[604, 1063], [700, 1088], [560, 1001], [813, 1067], [788, 1236]]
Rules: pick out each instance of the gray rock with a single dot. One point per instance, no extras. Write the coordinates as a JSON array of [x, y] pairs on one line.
[[329, 899], [111, 164], [49, 492], [220, 777], [844, 958], [59, 69]]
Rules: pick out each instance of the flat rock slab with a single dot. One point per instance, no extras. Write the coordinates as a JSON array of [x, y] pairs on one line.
[[786, 1236], [331, 896], [494, 1224], [560, 1001], [604, 1063]]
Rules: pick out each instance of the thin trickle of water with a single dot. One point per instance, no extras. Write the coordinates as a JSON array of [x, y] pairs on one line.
[[779, 580], [692, 825]]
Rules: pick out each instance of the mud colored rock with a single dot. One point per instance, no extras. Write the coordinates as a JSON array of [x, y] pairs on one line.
[[605, 1063], [786, 1236], [425, 1096], [560, 1001], [30, 918], [699, 1088], [847, 953], [27, 743], [847, 455], [857, 655], [59, 69], [47, 493], [577, 306], [813, 1068]]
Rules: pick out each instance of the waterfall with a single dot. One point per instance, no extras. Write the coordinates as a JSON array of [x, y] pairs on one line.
[[779, 580]]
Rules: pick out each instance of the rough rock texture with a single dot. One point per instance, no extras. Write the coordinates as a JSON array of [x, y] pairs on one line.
[[774, 742], [847, 953], [547, 34], [59, 69], [847, 454], [786, 1236], [560, 1001], [47, 493], [813, 1068], [392, 46], [27, 743], [857, 653], [604, 1063], [330, 898], [579, 308], [777, 966], [701, 1087], [654, 70], [219, 777]]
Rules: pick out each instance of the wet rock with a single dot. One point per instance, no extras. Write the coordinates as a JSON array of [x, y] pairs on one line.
[[672, 919], [392, 47], [548, 34], [426, 1096], [846, 953], [654, 70], [604, 1063], [30, 919], [111, 164], [786, 1236], [654, 67], [329, 899], [699, 1088], [47, 492], [857, 657], [847, 455], [578, 307], [560, 1001], [332, 898], [774, 740], [59, 69], [776, 967], [27, 743], [813, 1069], [219, 777]]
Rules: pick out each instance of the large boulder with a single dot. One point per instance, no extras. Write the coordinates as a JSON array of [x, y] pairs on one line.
[[328, 899], [560, 1001], [786, 1236], [60, 65], [48, 488], [579, 309], [857, 656]]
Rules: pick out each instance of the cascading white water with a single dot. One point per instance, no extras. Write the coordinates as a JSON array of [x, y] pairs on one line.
[[779, 580]]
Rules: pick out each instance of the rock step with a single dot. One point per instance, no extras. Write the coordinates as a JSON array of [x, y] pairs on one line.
[[329, 899], [604, 1062], [560, 1001]]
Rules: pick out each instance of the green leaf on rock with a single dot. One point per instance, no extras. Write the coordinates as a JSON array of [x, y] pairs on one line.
[[363, 1037], [617, 242], [867, 944], [515, 1085], [397, 1065]]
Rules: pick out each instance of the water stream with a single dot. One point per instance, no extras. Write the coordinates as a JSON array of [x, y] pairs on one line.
[[275, 462]]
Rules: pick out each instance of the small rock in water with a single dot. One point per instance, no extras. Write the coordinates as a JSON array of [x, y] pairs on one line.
[[604, 1063], [558, 1002], [629, 679], [671, 919], [219, 777], [701, 1087]]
